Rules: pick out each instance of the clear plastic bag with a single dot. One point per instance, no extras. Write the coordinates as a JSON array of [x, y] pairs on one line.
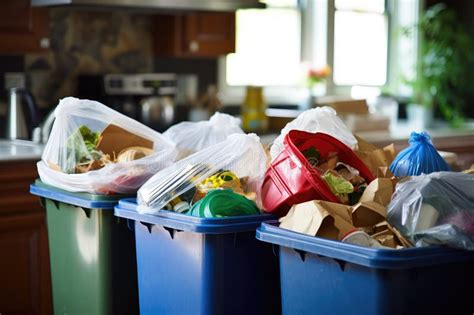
[[419, 158], [435, 209], [191, 137], [241, 154], [76, 136], [320, 119]]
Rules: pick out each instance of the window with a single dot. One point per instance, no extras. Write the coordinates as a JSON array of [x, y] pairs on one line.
[[360, 42], [359, 39], [267, 48], [268, 53]]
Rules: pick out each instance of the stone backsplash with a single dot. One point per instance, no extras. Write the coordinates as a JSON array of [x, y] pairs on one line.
[[88, 42]]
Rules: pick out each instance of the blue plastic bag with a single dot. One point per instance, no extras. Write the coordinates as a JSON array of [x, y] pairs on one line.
[[419, 158]]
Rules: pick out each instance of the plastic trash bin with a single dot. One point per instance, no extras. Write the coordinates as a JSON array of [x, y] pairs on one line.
[[320, 276], [92, 253], [193, 265]]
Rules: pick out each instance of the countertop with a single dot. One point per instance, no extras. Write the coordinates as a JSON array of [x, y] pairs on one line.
[[20, 150]]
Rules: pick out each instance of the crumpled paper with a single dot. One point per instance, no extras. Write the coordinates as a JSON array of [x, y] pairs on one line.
[[378, 160], [334, 221]]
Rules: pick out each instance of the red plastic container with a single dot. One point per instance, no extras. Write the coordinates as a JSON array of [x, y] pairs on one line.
[[291, 179]]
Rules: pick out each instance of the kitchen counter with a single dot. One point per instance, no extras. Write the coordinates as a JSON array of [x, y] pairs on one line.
[[402, 130], [401, 133], [20, 150], [459, 141]]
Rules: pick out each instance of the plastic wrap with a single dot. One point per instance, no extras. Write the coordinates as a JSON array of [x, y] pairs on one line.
[[241, 154], [321, 119], [191, 137], [78, 127], [419, 158], [435, 209]]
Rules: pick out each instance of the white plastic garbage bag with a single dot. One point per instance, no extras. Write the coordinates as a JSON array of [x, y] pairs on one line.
[[435, 209], [191, 137], [94, 149], [241, 154], [320, 119]]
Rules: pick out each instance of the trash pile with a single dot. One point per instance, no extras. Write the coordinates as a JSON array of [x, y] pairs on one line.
[[359, 194], [317, 177]]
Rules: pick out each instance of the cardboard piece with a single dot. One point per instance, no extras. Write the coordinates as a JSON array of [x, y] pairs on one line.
[[114, 139], [314, 219], [334, 221], [404, 242], [379, 190], [386, 238], [369, 213], [344, 105], [377, 160]]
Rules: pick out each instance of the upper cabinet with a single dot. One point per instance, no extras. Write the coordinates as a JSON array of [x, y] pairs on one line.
[[200, 34], [23, 29]]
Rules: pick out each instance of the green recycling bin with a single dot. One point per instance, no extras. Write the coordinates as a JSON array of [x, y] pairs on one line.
[[92, 253]]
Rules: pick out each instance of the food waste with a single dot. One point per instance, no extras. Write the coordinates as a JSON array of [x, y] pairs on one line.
[[343, 179], [88, 150]]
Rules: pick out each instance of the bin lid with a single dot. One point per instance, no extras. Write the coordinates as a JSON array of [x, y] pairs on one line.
[[370, 257], [84, 200], [127, 208]]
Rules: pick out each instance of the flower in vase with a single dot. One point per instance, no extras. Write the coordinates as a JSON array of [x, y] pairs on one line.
[[317, 75]]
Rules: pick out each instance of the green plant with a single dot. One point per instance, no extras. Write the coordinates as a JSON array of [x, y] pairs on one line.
[[443, 68]]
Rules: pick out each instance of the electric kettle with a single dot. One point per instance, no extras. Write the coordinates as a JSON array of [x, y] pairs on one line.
[[22, 114]]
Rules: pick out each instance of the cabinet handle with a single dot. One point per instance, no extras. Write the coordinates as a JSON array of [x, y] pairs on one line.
[[193, 46]]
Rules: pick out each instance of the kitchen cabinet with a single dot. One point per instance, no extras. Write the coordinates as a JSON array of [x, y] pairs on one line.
[[198, 34], [23, 29], [24, 264]]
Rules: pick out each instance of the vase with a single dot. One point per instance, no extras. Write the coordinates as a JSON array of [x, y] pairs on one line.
[[420, 117]]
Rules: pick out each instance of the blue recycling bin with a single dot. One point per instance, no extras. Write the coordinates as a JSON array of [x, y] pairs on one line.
[[193, 265], [321, 276]]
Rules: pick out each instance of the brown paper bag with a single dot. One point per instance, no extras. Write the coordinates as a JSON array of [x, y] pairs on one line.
[[114, 139]]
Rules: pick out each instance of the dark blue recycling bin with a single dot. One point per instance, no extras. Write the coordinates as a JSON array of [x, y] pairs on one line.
[[320, 276], [192, 265]]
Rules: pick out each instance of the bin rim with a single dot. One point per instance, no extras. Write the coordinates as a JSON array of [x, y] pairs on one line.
[[127, 208], [79, 199], [369, 257]]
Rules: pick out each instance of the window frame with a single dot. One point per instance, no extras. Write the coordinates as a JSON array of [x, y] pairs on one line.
[[317, 46]]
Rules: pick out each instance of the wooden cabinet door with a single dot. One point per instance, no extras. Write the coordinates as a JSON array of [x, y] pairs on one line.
[[200, 34], [22, 28], [210, 34], [24, 265], [25, 281]]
